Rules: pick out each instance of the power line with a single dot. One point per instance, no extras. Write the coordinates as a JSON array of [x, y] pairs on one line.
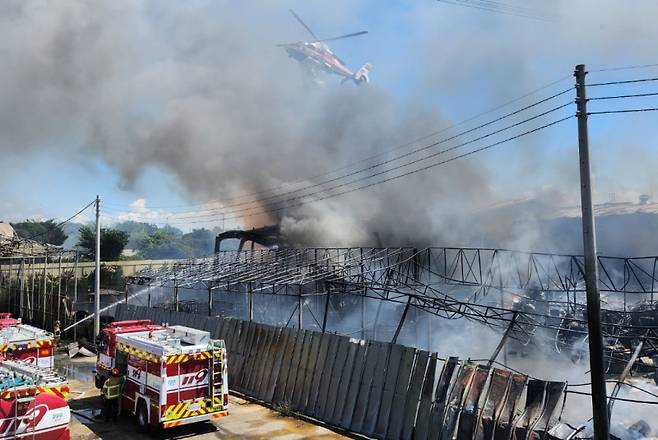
[[622, 399], [424, 158], [633, 110], [271, 201], [389, 178], [628, 81], [498, 7], [637, 95], [413, 162], [384, 153], [62, 223], [633, 67]]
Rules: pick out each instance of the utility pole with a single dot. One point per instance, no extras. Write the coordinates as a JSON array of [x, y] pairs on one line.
[[595, 339], [97, 281]]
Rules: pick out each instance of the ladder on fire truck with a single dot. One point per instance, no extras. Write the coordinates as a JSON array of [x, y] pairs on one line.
[[30, 425], [216, 373], [19, 378], [39, 375]]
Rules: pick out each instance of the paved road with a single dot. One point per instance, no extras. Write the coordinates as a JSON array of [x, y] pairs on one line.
[[245, 421]]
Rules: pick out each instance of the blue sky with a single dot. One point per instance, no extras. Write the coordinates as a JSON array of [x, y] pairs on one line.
[[451, 61]]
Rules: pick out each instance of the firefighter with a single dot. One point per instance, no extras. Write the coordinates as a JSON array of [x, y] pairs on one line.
[[57, 332], [110, 393]]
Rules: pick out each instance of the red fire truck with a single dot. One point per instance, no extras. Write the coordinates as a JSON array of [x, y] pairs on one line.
[[32, 403], [27, 343], [175, 375]]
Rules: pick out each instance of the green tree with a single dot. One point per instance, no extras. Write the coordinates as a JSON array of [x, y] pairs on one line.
[[136, 231], [200, 242], [111, 277], [42, 231], [164, 243], [132, 227], [112, 243]]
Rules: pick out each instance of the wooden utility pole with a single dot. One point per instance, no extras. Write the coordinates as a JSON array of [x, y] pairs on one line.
[[97, 280], [595, 339]]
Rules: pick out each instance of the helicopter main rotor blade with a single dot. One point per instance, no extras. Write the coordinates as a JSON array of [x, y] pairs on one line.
[[308, 29], [355, 34]]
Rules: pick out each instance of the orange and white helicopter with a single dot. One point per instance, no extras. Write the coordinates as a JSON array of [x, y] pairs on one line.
[[317, 56]]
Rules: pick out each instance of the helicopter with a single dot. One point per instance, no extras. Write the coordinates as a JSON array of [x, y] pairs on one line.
[[317, 56]]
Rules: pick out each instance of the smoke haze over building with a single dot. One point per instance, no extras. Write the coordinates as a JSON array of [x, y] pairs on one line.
[[200, 91]]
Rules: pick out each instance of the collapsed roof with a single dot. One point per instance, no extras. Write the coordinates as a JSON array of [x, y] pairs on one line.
[[11, 245]]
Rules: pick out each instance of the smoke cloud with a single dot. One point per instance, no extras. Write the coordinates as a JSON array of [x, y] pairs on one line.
[[200, 90]]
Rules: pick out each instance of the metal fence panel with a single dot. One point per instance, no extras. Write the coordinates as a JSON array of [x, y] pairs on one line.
[[469, 410], [293, 370], [437, 413], [279, 395], [302, 371], [493, 404], [388, 390], [264, 360], [338, 373], [251, 359], [325, 380], [376, 389], [278, 359], [317, 375], [394, 419], [413, 396], [354, 385], [504, 421], [267, 362]]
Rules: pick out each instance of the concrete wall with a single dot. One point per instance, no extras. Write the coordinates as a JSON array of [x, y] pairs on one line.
[[83, 268]]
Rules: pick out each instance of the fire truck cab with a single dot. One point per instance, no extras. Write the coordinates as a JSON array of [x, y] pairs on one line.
[[174, 375], [27, 343], [32, 402]]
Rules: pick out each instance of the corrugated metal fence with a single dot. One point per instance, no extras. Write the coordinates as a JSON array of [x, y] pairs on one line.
[[376, 389]]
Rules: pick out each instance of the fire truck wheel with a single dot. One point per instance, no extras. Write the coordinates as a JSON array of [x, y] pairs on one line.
[[142, 417]]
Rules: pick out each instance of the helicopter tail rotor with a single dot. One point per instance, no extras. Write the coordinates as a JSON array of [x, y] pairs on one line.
[[361, 75]]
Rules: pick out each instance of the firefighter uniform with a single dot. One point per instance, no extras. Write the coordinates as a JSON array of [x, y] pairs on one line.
[[111, 392], [57, 331]]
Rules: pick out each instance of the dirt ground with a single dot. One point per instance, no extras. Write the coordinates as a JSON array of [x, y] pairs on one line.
[[246, 420]]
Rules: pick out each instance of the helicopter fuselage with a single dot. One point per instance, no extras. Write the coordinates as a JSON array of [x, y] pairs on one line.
[[318, 56]]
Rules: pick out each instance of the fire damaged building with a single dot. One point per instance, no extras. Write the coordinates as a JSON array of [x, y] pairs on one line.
[[484, 316]]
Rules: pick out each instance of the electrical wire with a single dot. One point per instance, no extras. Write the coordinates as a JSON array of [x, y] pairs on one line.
[[497, 7], [244, 212], [278, 209], [62, 223], [629, 81], [633, 110], [430, 156], [637, 95], [384, 153], [622, 399], [614, 69], [223, 210]]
